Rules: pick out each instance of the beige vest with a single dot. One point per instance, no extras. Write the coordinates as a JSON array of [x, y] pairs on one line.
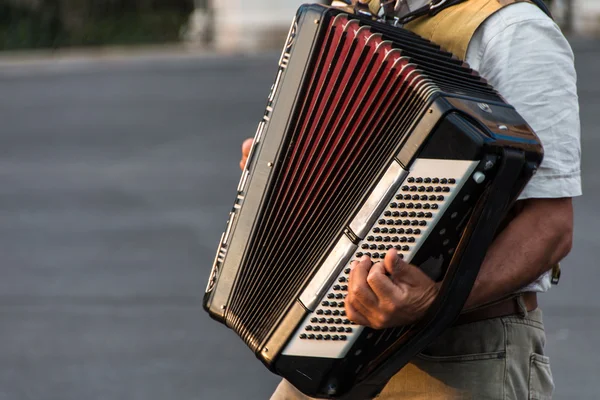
[[454, 27]]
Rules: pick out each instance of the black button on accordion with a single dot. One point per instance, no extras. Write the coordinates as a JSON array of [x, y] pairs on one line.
[[373, 138]]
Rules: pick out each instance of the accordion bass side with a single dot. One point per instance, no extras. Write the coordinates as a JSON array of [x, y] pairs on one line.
[[373, 138]]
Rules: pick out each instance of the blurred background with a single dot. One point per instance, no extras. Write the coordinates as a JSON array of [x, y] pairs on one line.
[[121, 123]]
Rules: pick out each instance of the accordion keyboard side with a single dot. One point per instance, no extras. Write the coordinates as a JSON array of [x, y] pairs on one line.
[[405, 224], [256, 175]]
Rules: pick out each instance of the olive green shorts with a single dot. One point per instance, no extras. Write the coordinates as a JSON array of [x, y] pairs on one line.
[[500, 358]]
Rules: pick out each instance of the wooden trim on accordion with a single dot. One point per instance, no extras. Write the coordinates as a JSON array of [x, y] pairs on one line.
[[284, 331]]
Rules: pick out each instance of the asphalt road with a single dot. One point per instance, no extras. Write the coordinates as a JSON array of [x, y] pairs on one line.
[[116, 179]]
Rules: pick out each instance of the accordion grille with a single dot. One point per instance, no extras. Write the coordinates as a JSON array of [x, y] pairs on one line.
[[362, 97]]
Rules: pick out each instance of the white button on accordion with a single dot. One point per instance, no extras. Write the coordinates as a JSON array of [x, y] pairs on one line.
[[373, 139]]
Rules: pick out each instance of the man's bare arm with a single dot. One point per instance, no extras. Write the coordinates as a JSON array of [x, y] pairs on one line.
[[539, 237]]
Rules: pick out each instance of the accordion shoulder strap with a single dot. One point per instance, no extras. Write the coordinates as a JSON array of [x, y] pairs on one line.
[[454, 27]]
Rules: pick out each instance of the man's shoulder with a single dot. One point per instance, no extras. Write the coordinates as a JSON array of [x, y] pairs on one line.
[[516, 14], [519, 26]]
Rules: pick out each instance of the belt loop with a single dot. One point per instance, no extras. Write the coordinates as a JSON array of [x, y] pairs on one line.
[[522, 306]]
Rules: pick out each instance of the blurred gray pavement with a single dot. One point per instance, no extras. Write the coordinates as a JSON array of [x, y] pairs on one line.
[[116, 177]]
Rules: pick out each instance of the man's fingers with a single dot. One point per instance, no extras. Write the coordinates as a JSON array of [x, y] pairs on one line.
[[381, 283], [394, 265], [360, 294], [403, 272], [246, 146], [355, 316], [358, 287]]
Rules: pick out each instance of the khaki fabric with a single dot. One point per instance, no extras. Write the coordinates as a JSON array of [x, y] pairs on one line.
[[453, 28], [496, 359], [374, 6]]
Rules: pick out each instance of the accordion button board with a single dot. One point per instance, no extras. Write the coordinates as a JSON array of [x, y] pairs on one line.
[[410, 216]]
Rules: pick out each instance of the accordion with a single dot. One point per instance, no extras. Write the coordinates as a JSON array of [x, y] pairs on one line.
[[373, 138]]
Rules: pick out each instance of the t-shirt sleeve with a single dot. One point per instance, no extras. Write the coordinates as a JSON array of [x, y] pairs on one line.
[[531, 64]]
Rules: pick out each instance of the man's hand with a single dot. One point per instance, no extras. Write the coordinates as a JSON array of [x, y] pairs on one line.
[[246, 146], [389, 293]]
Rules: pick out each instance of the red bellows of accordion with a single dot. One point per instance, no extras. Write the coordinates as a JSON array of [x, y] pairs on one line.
[[361, 100]]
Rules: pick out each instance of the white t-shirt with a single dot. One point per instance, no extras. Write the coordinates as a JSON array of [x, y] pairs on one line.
[[524, 55]]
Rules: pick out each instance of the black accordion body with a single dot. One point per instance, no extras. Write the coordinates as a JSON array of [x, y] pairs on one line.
[[373, 138]]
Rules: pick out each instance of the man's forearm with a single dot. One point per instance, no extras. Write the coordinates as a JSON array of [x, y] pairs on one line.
[[539, 237]]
